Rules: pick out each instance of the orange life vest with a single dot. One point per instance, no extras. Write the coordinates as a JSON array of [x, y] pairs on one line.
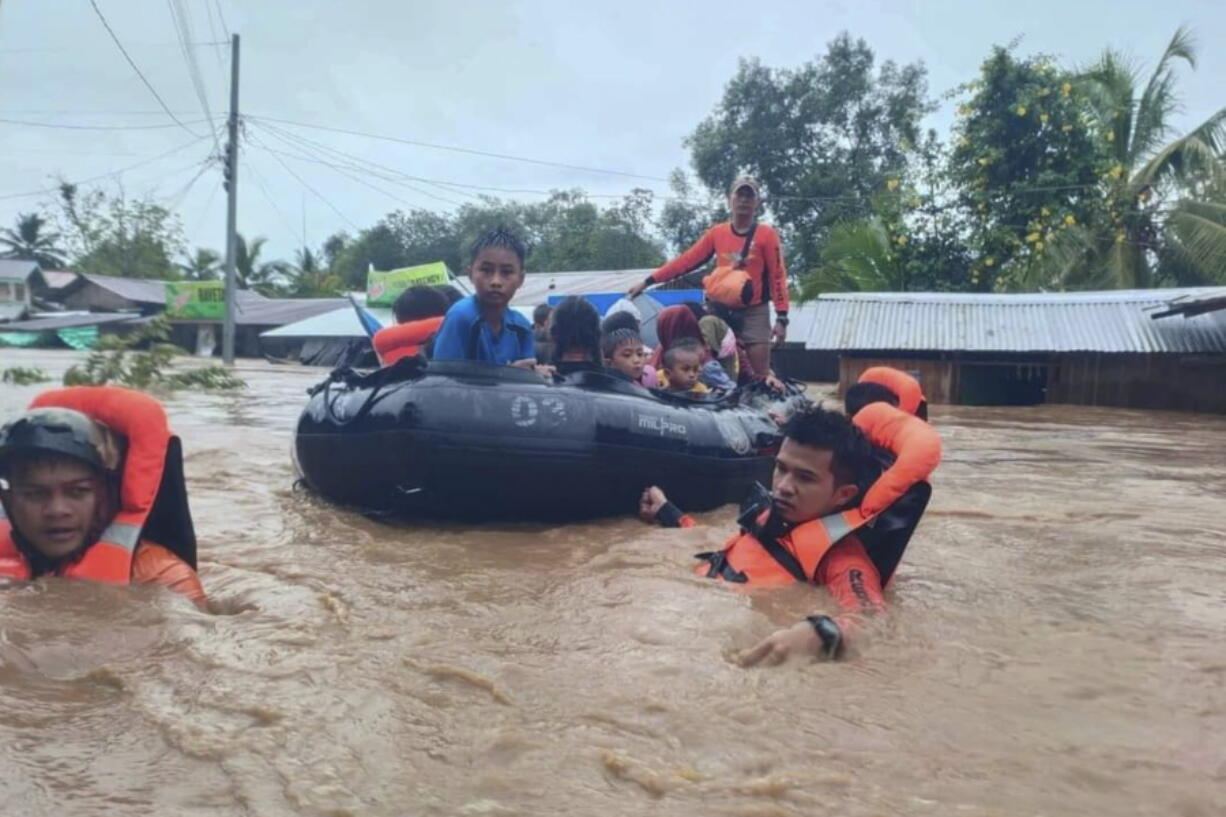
[[140, 419], [746, 560], [906, 387], [916, 447], [404, 340]]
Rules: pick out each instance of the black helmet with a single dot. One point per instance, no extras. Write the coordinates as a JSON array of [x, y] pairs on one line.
[[61, 431]]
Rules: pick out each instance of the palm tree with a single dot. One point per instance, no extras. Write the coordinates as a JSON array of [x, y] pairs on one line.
[[1159, 224], [264, 277], [205, 265], [28, 242], [857, 256], [308, 279]]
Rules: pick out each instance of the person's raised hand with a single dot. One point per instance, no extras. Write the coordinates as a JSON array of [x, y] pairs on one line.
[[636, 290], [650, 503], [799, 639]]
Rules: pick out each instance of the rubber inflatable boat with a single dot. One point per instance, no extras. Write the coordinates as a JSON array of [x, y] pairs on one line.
[[471, 440]]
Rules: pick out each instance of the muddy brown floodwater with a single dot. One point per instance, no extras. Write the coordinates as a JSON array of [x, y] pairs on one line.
[[1055, 647]]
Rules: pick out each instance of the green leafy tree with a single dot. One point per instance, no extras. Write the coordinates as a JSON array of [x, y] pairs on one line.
[[265, 277], [113, 235], [1165, 212], [1028, 163], [28, 241], [823, 138], [203, 265], [309, 278], [688, 213]]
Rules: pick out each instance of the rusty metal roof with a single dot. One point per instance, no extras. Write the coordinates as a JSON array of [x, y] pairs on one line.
[[1110, 321]]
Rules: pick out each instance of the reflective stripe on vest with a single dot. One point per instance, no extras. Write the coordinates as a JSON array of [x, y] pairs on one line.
[[745, 560]]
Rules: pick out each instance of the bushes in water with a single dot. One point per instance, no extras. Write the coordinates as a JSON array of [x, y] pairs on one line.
[[23, 376], [121, 361]]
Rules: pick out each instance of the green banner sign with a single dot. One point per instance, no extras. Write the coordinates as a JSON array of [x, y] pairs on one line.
[[382, 288], [196, 300]]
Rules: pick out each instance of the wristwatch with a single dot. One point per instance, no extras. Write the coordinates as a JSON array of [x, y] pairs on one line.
[[830, 634]]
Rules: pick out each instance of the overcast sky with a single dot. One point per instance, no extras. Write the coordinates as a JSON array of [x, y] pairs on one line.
[[615, 86]]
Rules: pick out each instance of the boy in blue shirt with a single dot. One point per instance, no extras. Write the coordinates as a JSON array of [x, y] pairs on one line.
[[481, 326]]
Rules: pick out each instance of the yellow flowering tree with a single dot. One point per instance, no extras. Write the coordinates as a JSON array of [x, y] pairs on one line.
[[1026, 159]]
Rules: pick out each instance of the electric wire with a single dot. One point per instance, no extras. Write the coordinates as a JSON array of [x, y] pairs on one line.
[[183, 31], [77, 126], [313, 191], [457, 149], [135, 68], [120, 171]]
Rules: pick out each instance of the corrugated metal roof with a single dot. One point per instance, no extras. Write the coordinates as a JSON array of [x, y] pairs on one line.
[[337, 323], [58, 279], [137, 290], [538, 286], [54, 322], [11, 270], [282, 311], [1112, 321], [1188, 305]]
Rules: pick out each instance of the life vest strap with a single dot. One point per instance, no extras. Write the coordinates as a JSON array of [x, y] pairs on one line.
[[719, 567]]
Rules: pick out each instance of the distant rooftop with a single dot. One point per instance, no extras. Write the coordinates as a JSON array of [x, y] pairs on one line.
[[1106, 321]]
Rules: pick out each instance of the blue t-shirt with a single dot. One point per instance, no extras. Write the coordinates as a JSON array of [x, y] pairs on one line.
[[466, 336]]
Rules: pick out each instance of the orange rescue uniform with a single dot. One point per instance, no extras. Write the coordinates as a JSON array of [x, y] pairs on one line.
[[120, 555], [764, 264]]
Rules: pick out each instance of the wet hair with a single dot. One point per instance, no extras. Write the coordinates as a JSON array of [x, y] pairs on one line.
[[609, 341], [681, 347], [541, 314], [419, 302], [863, 394], [852, 460], [452, 294], [620, 320], [576, 326], [499, 237]]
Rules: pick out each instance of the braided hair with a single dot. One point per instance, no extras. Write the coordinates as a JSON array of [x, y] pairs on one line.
[[501, 238]]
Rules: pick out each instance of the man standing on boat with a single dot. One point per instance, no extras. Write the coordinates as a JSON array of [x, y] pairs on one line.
[[749, 273]]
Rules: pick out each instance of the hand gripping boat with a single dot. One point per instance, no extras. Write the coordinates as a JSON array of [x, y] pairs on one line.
[[469, 440]]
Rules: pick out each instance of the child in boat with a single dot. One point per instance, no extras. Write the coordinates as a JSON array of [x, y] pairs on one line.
[[626, 320], [682, 365], [574, 330], [623, 353], [419, 313], [482, 326]]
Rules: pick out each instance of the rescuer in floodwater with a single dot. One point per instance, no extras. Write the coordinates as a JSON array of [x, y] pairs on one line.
[[91, 483], [814, 526]]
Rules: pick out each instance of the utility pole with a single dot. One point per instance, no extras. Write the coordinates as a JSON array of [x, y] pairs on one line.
[[231, 181]]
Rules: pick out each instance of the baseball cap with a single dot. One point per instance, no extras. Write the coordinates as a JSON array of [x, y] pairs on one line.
[[746, 181]]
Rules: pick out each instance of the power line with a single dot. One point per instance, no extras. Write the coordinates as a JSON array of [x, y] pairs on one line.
[[77, 126], [183, 30], [356, 164], [259, 182], [456, 149], [315, 192], [118, 172], [143, 79], [195, 231]]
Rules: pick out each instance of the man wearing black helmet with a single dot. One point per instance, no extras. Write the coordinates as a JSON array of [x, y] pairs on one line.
[[84, 499]]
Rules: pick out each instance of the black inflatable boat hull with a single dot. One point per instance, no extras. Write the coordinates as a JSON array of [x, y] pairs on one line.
[[470, 441]]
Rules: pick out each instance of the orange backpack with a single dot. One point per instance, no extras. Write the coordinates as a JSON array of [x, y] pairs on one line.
[[732, 286]]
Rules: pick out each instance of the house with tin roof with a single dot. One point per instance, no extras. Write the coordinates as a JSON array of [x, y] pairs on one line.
[[1153, 348]]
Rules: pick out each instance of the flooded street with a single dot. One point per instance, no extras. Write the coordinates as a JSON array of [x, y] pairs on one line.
[[1054, 648]]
